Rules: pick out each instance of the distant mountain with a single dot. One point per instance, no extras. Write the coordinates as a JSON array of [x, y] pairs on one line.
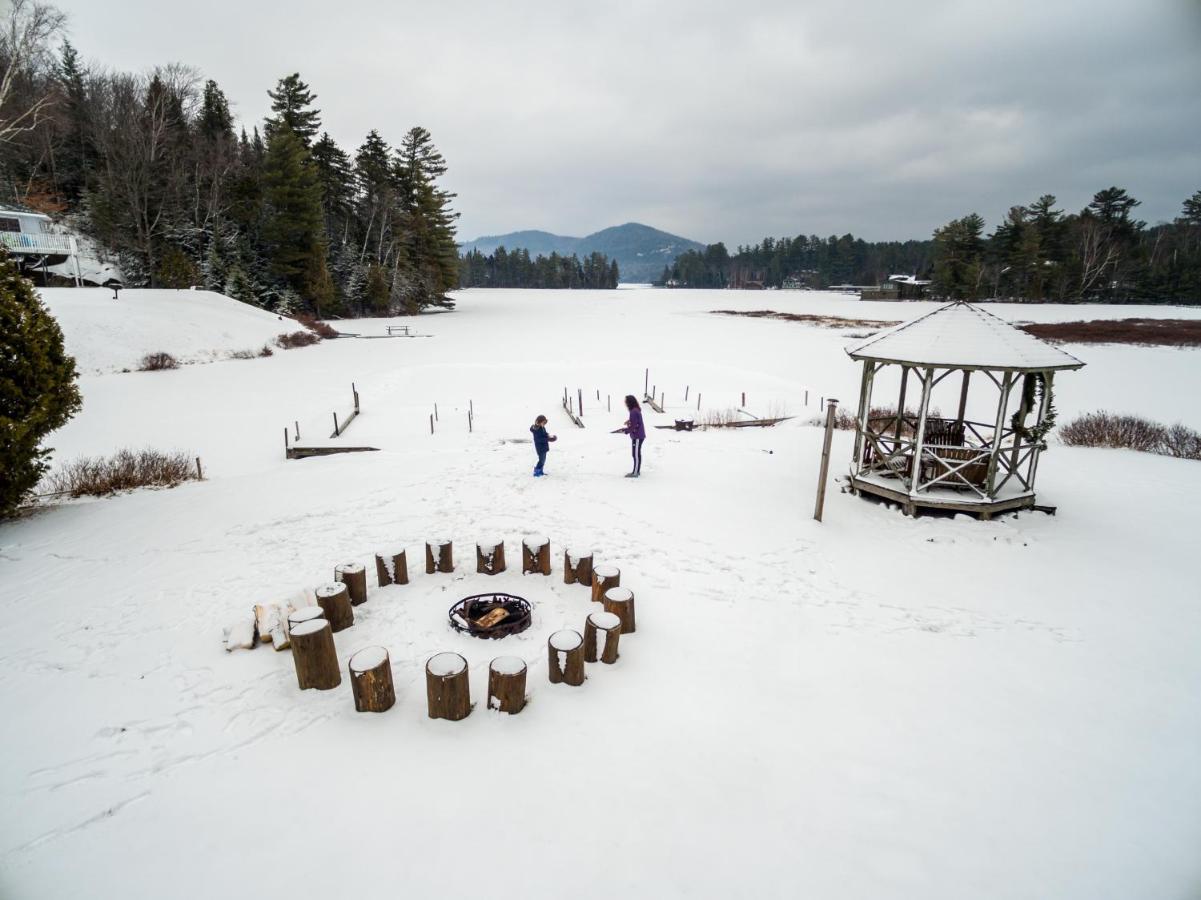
[[641, 251]]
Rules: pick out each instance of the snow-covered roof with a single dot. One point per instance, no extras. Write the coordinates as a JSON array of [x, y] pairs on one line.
[[908, 279], [961, 335]]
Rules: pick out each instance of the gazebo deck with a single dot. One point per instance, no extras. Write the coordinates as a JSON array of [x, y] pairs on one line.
[[890, 488]]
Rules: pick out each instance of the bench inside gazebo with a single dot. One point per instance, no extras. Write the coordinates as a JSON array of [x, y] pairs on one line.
[[984, 458]]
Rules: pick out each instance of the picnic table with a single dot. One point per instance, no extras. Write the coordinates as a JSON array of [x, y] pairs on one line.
[[398, 329]]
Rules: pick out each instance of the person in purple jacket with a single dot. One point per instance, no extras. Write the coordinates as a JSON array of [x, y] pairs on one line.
[[637, 432]]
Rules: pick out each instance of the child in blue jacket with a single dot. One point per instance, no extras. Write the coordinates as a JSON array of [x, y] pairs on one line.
[[541, 443]]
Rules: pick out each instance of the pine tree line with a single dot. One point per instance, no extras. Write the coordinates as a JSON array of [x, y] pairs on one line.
[[1038, 254], [1101, 254], [152, 168], [517, 270]]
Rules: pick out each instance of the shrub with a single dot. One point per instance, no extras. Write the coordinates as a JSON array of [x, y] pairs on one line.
[[296, 339], [37, 386], [123, 471], [244, 354], [312, 323], [845, 418], [1103, 429], [266, 351], [154, 362]]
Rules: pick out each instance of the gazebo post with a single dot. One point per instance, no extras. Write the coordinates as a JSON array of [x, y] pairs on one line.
[[915, 477], [901, 401], [967, 377], [865, 405], [1002, 407]]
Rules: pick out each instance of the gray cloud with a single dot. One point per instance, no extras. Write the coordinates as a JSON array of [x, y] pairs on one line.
[[723, 121]]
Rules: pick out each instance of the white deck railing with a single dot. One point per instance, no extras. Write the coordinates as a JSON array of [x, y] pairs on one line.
[[48, 243]]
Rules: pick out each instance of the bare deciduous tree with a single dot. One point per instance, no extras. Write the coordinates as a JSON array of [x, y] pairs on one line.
[[25, 49]]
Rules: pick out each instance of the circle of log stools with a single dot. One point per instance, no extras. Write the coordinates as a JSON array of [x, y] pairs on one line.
[[391, 567], [535, 555], [371, 680], [603, 578], [334, 599], [490, 557], [565, 657], [304, 614], [506, 684], [620, 602], [577, 567], [447, 690], [602, 632], [314, 655], [448, 694], [439, 556], [354, 576]]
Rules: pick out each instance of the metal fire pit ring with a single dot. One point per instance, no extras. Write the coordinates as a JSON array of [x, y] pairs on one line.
[[465, 615]]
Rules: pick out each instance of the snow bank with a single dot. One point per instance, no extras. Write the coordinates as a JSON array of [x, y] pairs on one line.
[[107, 335]]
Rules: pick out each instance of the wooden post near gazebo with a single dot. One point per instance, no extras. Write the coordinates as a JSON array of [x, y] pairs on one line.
[[831, 406]]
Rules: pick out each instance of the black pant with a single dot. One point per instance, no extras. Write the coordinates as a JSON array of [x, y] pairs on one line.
[[636, 452]]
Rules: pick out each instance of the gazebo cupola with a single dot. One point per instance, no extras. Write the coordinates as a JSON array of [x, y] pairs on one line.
[[981, 459]]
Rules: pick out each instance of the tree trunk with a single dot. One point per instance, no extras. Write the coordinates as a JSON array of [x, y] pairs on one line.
[[535, 556], [439, 557], [371, 680], [506, 684], [304, 614], [603, 578], [602, 631], [620, 602], [490, 557], [446, 687], [391, 567], [315, 657], [354, 576], [565, 655], [577, 567], [334, 599]]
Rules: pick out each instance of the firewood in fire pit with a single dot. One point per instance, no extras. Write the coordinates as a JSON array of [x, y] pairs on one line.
[[490, 619]]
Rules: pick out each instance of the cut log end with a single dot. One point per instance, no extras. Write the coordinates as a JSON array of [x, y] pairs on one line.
[[603, 578], [334, 600], [371, 680], [315, 656], [620, 602]]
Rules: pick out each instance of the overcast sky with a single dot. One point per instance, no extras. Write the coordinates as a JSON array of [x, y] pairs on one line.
[[721, 121]]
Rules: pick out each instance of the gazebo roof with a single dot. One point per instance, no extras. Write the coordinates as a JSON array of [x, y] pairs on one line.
[[962, 336]]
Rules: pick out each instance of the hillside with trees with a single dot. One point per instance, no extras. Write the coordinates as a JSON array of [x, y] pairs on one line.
[[517, 270], [155, 170]]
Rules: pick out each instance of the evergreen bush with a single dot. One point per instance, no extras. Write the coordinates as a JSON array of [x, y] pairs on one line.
[[38, 393]]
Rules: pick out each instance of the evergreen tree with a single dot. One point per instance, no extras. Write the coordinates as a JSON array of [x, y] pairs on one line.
[[958, 263], [292, 226], [430, 253], [215, 121], [1190, 214], [78, 152], [292, 106], [37, 386], [337, 185]]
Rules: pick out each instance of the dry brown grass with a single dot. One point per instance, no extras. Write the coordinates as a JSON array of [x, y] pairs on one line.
[[296, 339], [1148, 332], [820, 321], [845, 417], [126, 469], [1102, 429], [312, 323], [156, 362]]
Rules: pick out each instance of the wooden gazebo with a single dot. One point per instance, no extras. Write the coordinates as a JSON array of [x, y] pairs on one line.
[[923, 459]]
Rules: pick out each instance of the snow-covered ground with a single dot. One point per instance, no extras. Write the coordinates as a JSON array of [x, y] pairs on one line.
[[870, 707]]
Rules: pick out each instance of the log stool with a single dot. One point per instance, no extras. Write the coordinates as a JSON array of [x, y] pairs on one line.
[[506, 684], [565, 655], [304, 614], [439, 556], [446, 688], [371, 680], [535, 555], [577, 567], [315, 657], [602, 631], [354, 576], [392, 567], [620, 602], [334, 599], [603, 578], [490, 557]]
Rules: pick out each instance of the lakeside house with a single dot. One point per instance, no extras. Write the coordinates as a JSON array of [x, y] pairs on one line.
[[899, 287]]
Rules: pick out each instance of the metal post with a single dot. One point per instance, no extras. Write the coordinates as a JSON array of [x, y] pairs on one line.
[[685, 393], [469, 429], [698, 401], [609, 402], [286, 440], [646, 382], [744, 399], [355, 391], [825, 468]]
